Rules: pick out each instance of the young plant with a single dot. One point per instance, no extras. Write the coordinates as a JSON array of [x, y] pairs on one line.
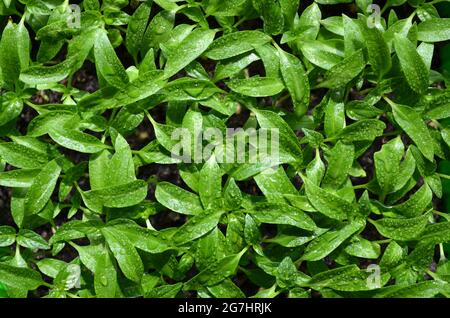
[[223, 148]]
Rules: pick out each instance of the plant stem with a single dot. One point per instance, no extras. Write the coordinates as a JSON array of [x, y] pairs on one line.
[[444, 176], [386, 241]]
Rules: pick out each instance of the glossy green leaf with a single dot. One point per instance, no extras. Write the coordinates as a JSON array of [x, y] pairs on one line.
[[236, 43], [42, 188], [296, 81], [178, 199], [22, 278], [108, 63], [328, 203], [410, 121], [126, 255], [257, 86], [329, 241], [121, 196], [402, 229], [188, 50], [412, 64], [434, 30]]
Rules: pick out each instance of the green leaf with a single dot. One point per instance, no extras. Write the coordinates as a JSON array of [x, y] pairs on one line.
[[427, 289], [142, 238], [10, 107], [165, 291], [392, 255], [21, 156], [124, 252], [402, 229], [68, 277], [388, 166], [38, 74], [345, 71], [236, 43], [412, 64], [296, 81], [158, 30], [257, 86], [309, 22], [107, 61], [7, 235], [316, 169], [210, 185], [42, 188], [446, 135], [76, 140], [334, 120], [20, 178], [107, 171], [142, 87], [251, 231], [363, 248], [274, 184], [434, 30], [178, 199], [188, 50], [379, 55], [271, 14], [136, 28], [216, 272], [288, 141], [105, 278], [21, 278], [232, 66], [329, 241], [416, 204], [9, 54], [198, 226], [340, 161], [120, 196], [287, 274], [328, 203], [45, 123], [232, 195], [410, 121], [347, 278], [32, 240], [324, 54], [50, 267], [281, 214]]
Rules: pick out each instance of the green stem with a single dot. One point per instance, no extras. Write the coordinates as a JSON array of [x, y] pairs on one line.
[[444, 215], [30, 104], [444, 176], [242, 20], [433, 275], [442, 257], [282, 99], [387, 241], [437, 1], [389, 101], [391, 133]]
